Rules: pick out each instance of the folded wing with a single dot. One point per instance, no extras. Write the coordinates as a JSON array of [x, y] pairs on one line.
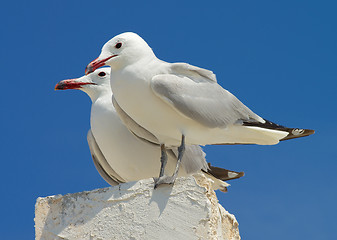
[[101, 164], [198, 96]]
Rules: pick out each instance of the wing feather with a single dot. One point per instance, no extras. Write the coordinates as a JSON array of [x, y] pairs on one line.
[[202, 100], [196, 72], [101, 164]]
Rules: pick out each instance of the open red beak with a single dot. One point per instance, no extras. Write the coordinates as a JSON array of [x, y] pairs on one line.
[[96, 64], [70, 84]]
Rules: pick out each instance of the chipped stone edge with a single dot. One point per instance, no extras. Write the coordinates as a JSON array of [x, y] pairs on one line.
[[216, 224], [214, 227]]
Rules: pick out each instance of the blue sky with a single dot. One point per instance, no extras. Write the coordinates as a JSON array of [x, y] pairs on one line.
[[279, 58]]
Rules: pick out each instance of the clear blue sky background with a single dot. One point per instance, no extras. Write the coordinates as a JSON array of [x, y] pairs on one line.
[[279, 58]]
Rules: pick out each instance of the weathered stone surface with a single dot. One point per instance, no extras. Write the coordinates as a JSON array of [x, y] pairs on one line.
[[135, 210]]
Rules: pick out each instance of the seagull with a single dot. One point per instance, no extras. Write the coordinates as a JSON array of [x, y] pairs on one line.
[[120, 156], [180, 104]]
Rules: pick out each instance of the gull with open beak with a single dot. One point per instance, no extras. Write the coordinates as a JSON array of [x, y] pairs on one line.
[[119, 155], [180, 104]]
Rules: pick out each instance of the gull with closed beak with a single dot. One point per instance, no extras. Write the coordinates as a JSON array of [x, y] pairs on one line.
[[119, 155], [180, 104]]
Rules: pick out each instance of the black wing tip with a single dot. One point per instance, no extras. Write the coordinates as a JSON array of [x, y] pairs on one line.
[[223, 174], [240, 174], [292, 132], [297, 133]]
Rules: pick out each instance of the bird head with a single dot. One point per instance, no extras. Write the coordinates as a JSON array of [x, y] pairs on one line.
[[120, 51], [93, 84]]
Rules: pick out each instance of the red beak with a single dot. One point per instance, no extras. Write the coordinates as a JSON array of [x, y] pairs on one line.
[[96, 64], [70, 84]]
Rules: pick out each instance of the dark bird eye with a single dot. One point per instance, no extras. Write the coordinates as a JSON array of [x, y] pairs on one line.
[[118, 45], [101, 74]]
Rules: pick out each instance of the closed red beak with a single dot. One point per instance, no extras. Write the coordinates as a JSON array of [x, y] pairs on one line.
[[96, 64], [70, 84]]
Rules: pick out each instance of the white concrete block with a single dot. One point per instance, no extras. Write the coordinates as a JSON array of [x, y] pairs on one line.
[[135, 210]]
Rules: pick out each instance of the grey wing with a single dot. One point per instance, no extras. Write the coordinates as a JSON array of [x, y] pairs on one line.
[[133, 126], [101, 164], [204, 101], [198, 74], [193, 159]]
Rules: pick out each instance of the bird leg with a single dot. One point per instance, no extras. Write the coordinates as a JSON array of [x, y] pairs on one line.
[[163, 160], [170, 179], [181, 151]]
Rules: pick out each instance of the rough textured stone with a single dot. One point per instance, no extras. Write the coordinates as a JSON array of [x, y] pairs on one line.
[[135, 210]]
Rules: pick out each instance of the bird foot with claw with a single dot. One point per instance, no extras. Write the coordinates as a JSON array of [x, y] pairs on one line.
[[163, 180]]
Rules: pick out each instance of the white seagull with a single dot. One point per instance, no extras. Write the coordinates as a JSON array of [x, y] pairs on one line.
[[179, 103], [118, 155]]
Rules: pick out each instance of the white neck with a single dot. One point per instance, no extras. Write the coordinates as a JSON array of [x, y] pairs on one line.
[[94, 94]]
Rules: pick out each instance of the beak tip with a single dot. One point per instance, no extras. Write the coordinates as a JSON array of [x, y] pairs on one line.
[[59, 86], [88, 69], [97, 63]]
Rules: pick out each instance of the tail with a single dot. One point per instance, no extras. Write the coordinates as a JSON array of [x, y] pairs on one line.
[[292, 132]]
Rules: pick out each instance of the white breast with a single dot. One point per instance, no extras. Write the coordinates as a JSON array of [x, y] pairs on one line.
[[131, 158]]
